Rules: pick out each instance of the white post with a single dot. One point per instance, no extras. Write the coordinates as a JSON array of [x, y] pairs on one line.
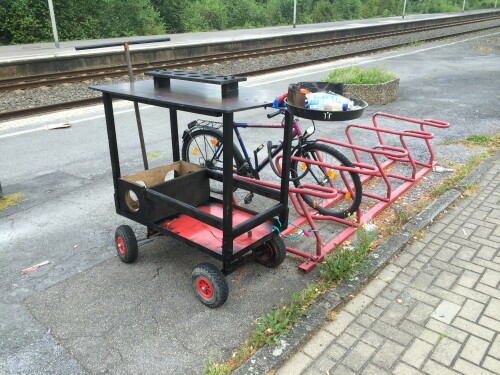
[[54, 26], [294, 12], [463, 7], [404, 8], [496, 3]]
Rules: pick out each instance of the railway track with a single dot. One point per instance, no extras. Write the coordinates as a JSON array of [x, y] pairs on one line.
[[117, 71]]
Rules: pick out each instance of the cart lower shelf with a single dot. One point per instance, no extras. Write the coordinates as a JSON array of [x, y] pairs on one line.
[[209, 237]]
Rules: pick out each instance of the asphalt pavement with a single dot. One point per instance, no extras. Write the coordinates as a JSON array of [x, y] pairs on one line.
[[87, 313]]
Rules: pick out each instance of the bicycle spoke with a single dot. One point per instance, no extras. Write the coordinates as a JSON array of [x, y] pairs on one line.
[[346, 184]]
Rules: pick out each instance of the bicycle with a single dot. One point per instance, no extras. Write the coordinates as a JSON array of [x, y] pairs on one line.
[[202, 144]]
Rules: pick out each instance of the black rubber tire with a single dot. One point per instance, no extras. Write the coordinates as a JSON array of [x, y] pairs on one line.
[[198, 135], [340, 209], [209, 285], [274, 252], [126, 244]]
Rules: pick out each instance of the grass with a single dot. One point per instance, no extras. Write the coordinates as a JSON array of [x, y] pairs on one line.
[[483, 140], [358, 75], [454, 180], [10, 200], [490, 141], [338, 265], [402, 216]]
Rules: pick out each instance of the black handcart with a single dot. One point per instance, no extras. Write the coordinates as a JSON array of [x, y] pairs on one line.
[[183, 207]]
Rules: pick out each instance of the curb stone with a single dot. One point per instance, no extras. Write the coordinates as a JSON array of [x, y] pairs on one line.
[[270, 357]]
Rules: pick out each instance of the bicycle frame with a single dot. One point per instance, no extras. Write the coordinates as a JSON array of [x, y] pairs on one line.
[[296, 132]]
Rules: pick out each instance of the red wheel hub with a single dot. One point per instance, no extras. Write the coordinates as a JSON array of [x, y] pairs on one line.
[[204, 287], [269, 254], [121, 245]]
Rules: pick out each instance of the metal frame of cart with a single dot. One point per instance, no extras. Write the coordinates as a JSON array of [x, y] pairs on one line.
[[175, 206]]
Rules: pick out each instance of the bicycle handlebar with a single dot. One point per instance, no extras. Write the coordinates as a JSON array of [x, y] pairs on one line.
[[273, 114]]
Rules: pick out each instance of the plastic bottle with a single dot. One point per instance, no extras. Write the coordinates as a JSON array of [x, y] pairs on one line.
[[328, 102], [326, 105]]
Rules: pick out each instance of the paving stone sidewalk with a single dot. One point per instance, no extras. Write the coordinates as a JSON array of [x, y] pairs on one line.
[[435, 309]]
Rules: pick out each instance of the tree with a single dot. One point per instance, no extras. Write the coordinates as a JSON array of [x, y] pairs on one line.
[[205, 15], [245, 14], [24, 21], [323, 12], [347, 9], [28, 21], [172, 13]]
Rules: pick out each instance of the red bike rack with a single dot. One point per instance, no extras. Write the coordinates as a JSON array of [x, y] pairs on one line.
[[384, 157]]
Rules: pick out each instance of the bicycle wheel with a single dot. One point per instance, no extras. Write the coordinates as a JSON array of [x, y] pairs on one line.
[[204, 147], [348, 200]]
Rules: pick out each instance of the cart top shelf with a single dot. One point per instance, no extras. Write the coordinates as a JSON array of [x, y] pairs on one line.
[[196, 97]]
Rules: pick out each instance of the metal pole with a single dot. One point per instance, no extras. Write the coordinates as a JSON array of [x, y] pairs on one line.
[[136, 107], [463, 6], [1, 192], [294, 12], [53, 21], [404, 8]]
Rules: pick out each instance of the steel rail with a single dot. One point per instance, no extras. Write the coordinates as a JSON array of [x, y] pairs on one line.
[[49, 108]]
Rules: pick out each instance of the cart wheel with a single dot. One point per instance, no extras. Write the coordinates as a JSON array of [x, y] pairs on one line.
[[274, 252], [126, 244], [209, 285]]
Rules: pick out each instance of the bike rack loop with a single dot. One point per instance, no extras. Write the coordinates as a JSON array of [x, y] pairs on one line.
[[417, 168]]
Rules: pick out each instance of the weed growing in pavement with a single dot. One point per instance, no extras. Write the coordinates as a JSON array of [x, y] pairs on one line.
[[469, 189], [340, 264], [390, 229], [418, 235], [214, 368], [462, 171], [10, 200], [402, 216], [492, 144], [483, 140], [480, 140], [280, 321]]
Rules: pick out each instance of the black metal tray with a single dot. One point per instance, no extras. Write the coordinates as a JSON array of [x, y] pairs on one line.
[[296, 100], [313, 114]]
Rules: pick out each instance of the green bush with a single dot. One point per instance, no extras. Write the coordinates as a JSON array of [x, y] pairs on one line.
[[323, 12], [357, 75]]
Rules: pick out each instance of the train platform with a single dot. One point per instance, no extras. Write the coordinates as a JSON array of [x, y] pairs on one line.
[[41, 51]]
